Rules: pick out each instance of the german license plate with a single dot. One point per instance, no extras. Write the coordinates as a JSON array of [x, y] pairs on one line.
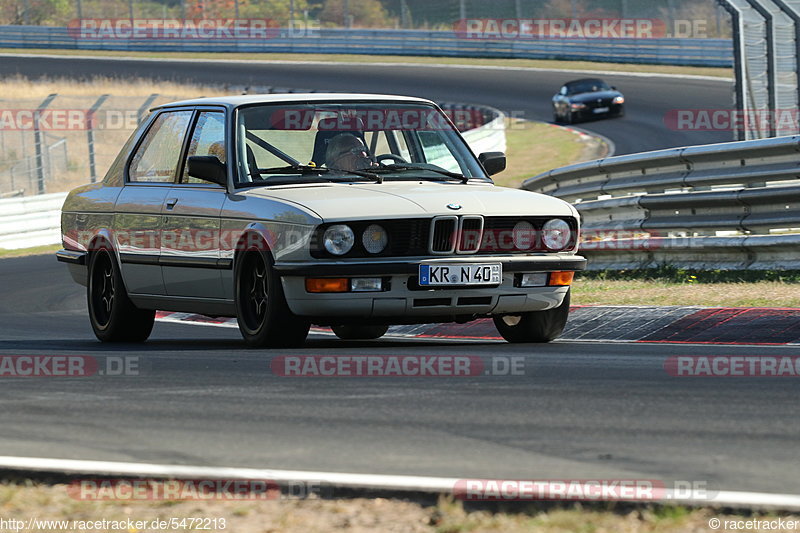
[[456, 274], [601, 110]]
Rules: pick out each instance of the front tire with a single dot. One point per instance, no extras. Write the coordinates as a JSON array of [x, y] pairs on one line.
[[113, 316], [264, 317], [361, 333], [535, 326]]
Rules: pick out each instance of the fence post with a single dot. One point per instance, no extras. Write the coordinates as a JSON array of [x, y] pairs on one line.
[[145, 106], [90, 136], [37, 139]]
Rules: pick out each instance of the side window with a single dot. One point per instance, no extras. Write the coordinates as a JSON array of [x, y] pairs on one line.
[[208, 138], [156, 159], [436, 151]]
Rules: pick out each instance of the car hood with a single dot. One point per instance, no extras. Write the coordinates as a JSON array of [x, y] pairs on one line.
[[359, 201], [588, 97]]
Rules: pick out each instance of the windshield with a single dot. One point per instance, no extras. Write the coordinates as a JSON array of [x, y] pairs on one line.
[[285, 143], [587, 86]]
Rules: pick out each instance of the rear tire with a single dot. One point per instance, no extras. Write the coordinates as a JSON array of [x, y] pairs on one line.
[[361, 333], [264, 317], [113, 316], [535, 326]]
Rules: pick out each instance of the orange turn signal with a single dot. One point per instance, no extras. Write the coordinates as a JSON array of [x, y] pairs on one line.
[[561, 279], [327, 284]]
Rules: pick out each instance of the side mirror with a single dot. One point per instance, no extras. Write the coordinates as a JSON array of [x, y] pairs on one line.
[[208, 168], [613, 88], [493, 162]]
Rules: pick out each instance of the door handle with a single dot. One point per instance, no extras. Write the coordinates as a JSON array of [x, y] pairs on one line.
[[171, 203]]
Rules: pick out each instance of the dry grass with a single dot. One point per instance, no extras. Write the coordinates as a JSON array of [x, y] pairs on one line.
[[20, 88], [355, 58], [536, 147], [757, 294], [46, 502]]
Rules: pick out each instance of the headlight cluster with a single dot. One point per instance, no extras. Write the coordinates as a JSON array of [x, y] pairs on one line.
[[619, 100], [340, 239], [556, 235]]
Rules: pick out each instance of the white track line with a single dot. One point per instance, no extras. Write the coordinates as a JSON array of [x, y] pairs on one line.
[[380, 64], [789, 502]]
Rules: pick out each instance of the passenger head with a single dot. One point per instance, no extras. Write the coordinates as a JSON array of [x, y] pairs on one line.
[[347, 152]]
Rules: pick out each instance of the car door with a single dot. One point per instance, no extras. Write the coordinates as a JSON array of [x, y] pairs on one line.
[[190, 235], [149, 176]]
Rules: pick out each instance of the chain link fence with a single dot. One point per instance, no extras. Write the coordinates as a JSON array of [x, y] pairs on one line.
[[58, 143]]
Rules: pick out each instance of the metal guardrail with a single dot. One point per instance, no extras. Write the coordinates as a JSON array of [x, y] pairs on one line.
[[31, 221], [728, 206], [489, 136], [666, 51]]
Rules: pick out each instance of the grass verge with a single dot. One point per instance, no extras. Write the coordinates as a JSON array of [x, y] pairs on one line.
[[357, 58], [36, 250], [535, 147], [23, 501], [675, 286]]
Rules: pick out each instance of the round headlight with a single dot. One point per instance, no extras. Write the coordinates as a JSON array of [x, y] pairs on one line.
[[556, 234], [524, 236], [339, 239], [375, 239], [619, 100]]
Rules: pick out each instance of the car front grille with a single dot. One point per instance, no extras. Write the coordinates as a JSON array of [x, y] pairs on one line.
[[443, 235], [446, 235], [601, 102]]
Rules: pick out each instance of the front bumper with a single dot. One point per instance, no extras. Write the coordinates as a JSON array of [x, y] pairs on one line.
[[405, 302]]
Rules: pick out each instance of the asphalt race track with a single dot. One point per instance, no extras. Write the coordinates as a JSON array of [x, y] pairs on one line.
[[582, 410], [526, 93]]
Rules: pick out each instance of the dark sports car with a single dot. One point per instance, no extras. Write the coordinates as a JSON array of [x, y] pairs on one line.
[[585, 98]]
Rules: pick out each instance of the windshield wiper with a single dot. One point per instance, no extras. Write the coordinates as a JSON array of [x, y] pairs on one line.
[[362, 173], [297, 169], [306, 169], [454, 175]]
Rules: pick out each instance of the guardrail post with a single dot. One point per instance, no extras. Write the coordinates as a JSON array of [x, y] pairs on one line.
[[738, 64], [37, 139], [794, 13], [771, 75], [90, 136], [145, 106]]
